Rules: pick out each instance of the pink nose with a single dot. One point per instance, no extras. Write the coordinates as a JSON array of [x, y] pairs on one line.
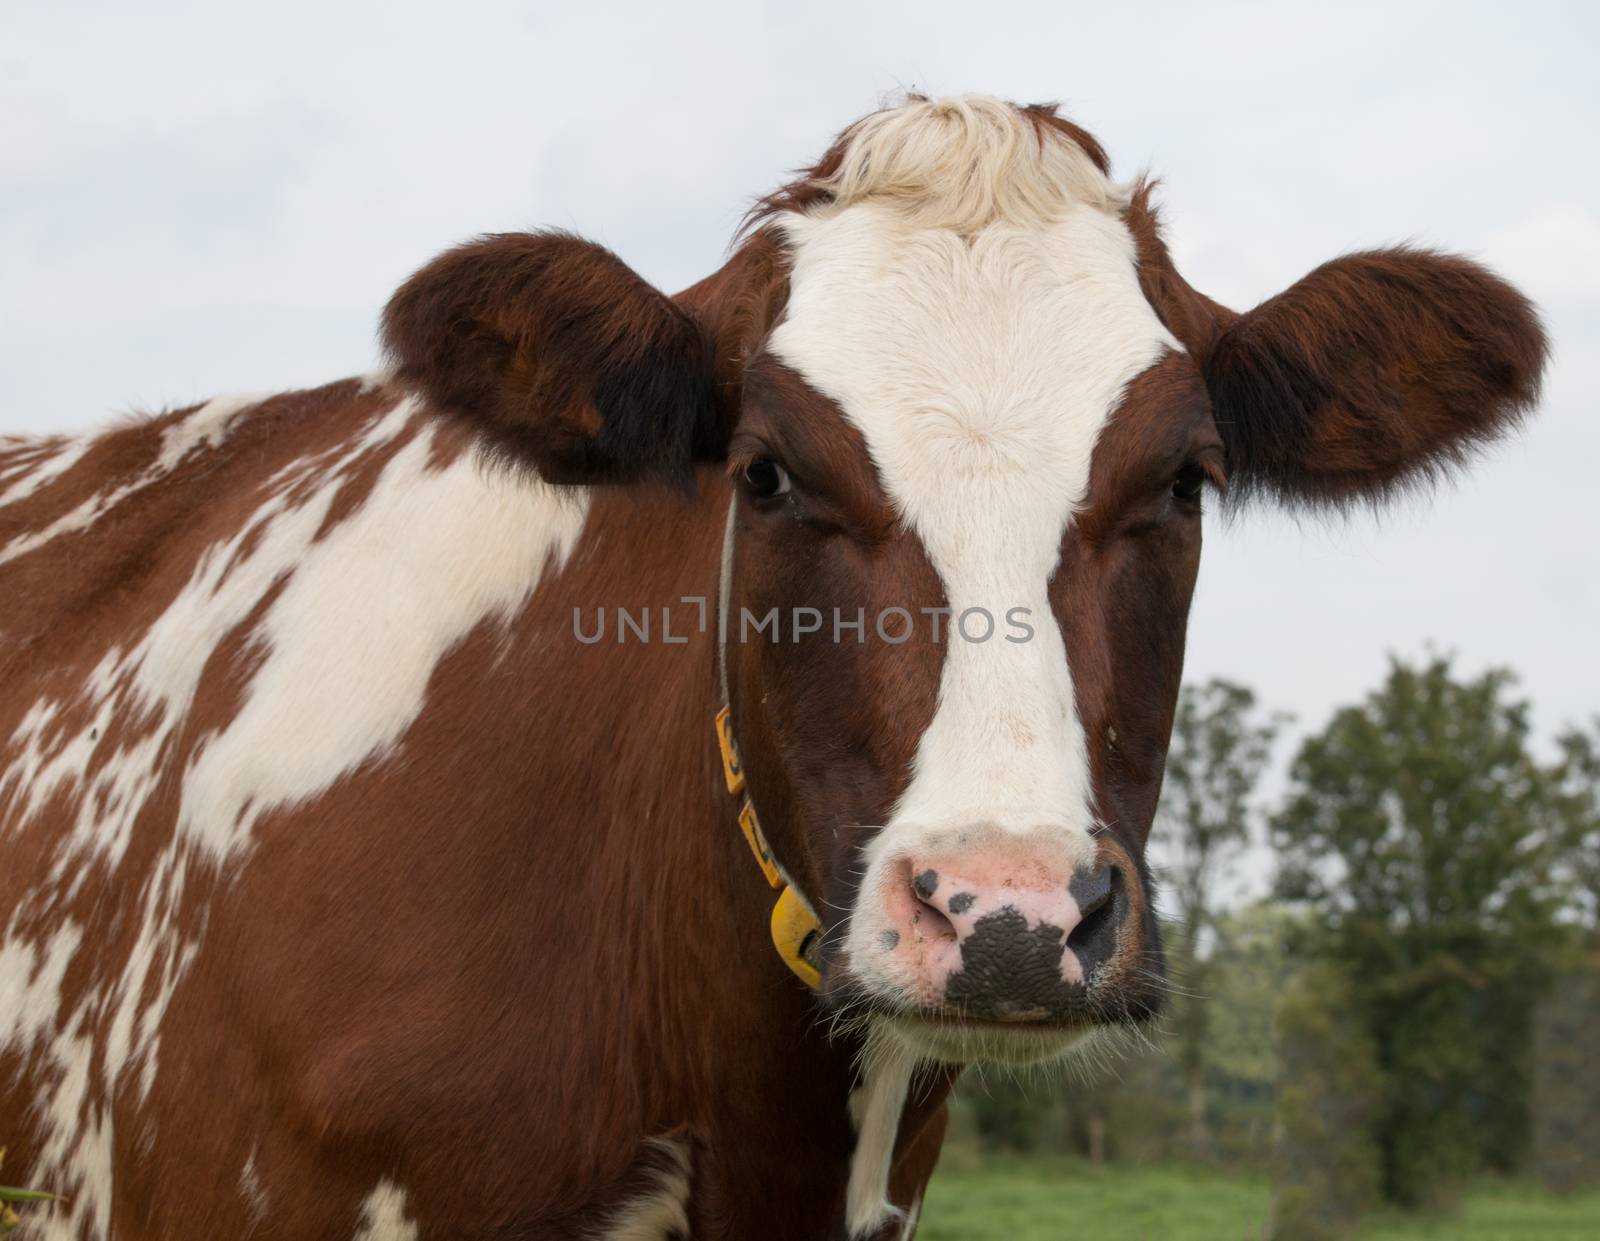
[[1004, 936]]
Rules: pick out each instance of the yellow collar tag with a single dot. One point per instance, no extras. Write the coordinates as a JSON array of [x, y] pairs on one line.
[[797, 937], [758, 843], [796, 933], [732, 768]]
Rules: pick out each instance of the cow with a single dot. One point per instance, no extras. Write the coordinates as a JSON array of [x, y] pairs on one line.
[[605, 774]]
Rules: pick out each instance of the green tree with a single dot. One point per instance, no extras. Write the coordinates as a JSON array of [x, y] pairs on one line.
[[1247, 970], [1089, 1103], [1221, 743], [1566, 1088], [1250, 966], [1326, 1164], [1008, 1111], [1577, 777], [1431, 845], [1566, 1095]]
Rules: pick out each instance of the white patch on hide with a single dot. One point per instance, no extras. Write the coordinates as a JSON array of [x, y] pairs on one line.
[[27, 479], [362, 617], [660, 1212], [206, 427], [383, 1216]]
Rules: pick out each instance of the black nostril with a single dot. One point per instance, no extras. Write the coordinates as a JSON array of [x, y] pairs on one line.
[[1087, 932], [1091, 938], [928, 921], [1091, 889]]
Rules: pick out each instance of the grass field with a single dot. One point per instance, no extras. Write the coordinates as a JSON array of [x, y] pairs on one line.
[[1051, 1201]]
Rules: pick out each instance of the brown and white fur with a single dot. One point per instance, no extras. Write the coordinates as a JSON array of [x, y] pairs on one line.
[[348, 894]]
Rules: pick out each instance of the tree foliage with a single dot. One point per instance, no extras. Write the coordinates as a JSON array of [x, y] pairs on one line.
[[1221, 744], [1432, 846], [1566, 1089], [1247, 970], [1326, 1170], [1566, 1086], [1577, 778]]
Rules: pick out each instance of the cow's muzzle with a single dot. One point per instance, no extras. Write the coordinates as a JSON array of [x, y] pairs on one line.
[[1010, 932]]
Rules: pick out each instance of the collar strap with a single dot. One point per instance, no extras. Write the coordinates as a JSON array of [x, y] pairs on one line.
[[796, 932]]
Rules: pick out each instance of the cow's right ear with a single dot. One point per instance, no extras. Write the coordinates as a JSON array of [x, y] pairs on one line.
[[562, 356]]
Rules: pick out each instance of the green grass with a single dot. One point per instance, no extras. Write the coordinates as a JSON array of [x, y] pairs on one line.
[[1052, 1200]]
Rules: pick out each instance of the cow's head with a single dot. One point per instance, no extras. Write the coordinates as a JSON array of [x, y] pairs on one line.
[[967, 402]]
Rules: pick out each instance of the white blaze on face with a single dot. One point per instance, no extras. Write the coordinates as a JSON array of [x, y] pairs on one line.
[[980, 370]]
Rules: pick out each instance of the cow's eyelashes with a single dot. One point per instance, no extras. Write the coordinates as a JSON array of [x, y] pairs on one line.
[[765, 479]]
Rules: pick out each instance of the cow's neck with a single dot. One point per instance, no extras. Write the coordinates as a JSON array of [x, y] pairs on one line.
[[764, 1093]]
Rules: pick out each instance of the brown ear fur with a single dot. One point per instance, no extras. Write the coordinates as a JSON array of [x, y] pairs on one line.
[[561, 355], [736, 306], [1375, 370]]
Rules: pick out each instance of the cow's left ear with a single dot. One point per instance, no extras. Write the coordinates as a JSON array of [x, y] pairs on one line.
[[562, 356], [1374, 370]]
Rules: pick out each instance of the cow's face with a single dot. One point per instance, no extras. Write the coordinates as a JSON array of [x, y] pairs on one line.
[[972, 415], [990, 453]]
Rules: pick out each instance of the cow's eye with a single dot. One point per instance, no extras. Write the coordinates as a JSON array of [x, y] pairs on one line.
[[1187, 485], [765, 479]]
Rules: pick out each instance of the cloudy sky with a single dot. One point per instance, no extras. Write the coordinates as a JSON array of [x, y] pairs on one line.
[[196, 198]]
